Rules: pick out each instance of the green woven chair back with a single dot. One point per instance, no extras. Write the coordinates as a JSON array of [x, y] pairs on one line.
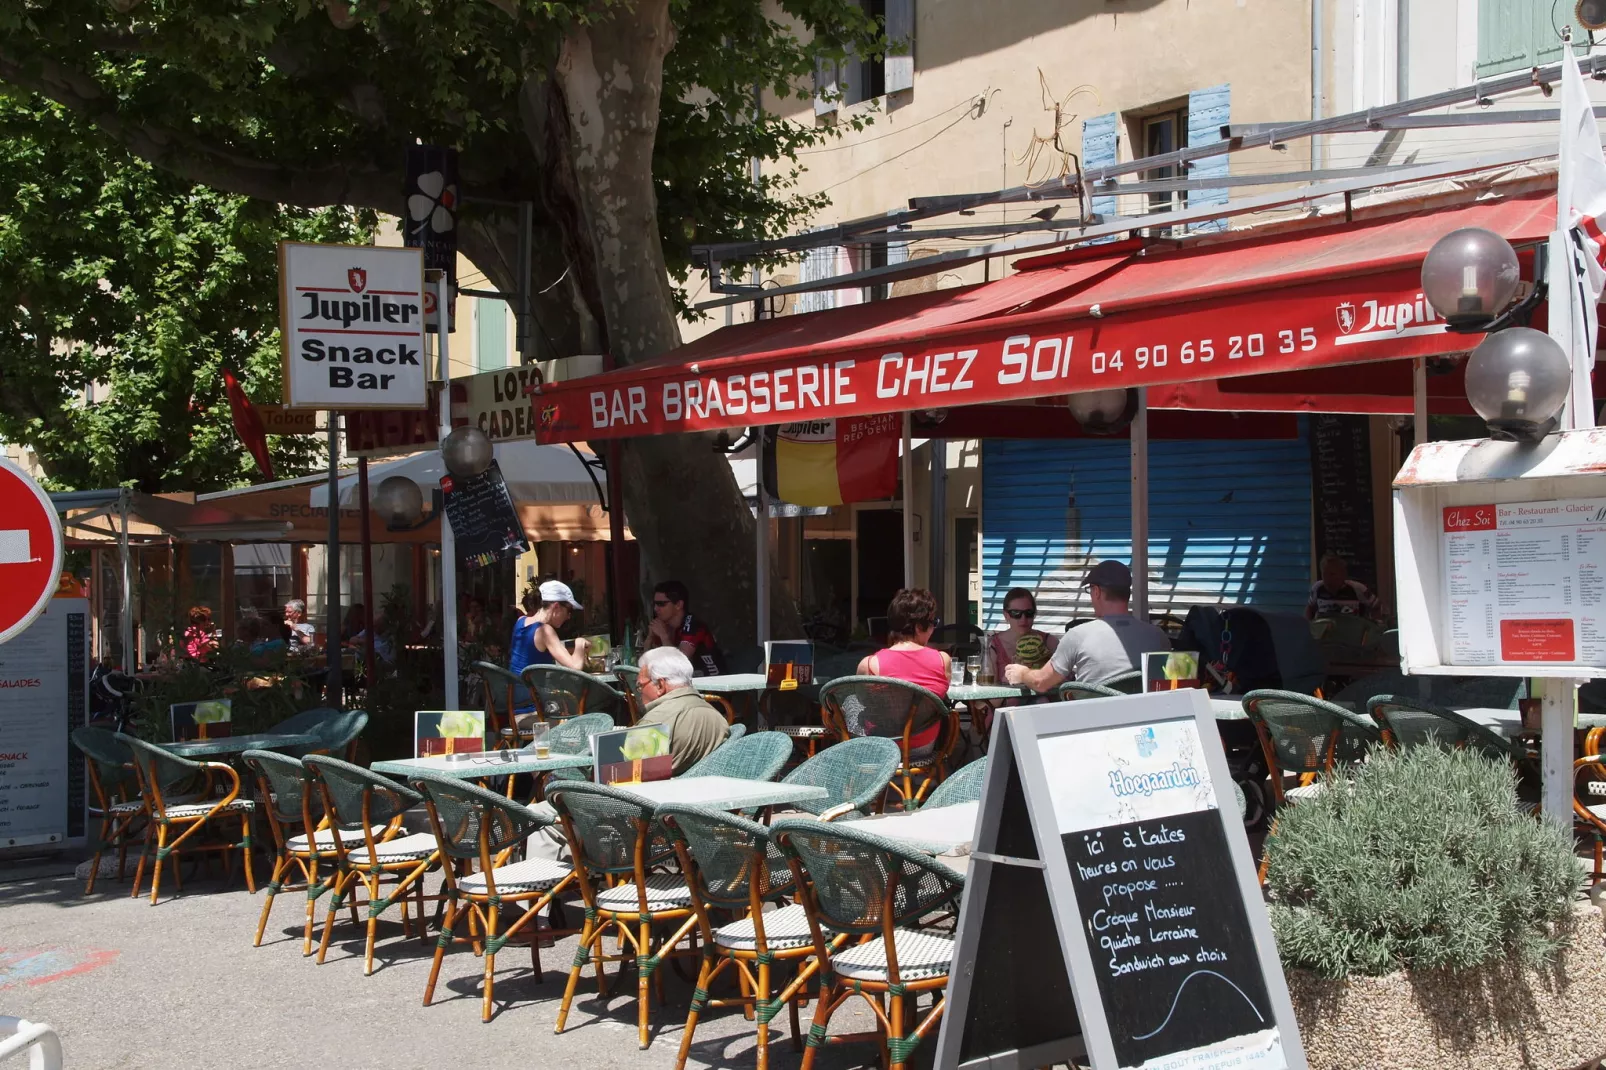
[[340, 731], [855, 771], [504, 692], [1071, 690], [627, 676], [109, 759], [963, 785], [1125, 683], [160, 770], [562, 693], [760, 756], [574, 735], [1309, 735], [727, 853], [305, 721], [355, 797], [857, 877], [287, 789], [881, 706], [1413, 723], [472, 822], [607, 822], [735, 732]]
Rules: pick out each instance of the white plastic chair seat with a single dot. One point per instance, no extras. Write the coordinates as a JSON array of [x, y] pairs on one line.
[[200, 809], [920, 956], [665, 891], [351, 838], [530, 875], [783, 928], [417, 846]]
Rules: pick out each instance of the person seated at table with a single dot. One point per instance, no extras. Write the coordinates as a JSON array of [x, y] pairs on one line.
[[695, 728], [200, 637], [673, 625], [384, 648], [1336, 595], [1110, 644], [258, 641], [301, 632], [1018, 642], [911, 618], [536, 640]]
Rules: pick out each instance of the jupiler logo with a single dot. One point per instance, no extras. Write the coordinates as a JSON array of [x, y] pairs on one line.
[[1346, 317], [1390, 315], [357, 278]]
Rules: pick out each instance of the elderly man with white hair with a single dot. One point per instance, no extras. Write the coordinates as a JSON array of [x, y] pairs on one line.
[[695, 728]]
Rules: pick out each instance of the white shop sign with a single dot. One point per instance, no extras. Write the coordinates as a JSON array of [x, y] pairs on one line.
[[352, 321], [44, 678]]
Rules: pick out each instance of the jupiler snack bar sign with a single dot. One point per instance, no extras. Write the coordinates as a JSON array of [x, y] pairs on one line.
[[352, 320]]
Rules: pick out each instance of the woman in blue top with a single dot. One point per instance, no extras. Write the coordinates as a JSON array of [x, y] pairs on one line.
[[535, 636]]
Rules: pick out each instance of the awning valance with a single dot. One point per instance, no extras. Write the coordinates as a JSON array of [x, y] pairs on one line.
[[1097, 318]]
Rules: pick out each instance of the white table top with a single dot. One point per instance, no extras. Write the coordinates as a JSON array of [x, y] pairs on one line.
[[936, 830], [723, 792], [732, 681], [487, 764], [983, 692]]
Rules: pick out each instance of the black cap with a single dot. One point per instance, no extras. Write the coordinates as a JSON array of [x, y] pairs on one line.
[[1109, 574]]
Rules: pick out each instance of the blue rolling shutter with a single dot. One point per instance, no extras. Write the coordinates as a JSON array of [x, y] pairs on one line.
[[1229, 522], [1098, 150], [1208, 111]]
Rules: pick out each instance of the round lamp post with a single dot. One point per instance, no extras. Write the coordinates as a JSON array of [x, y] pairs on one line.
[[1469, 276], [1104, 412], [467, 452], [399, 503], [1517, 380]]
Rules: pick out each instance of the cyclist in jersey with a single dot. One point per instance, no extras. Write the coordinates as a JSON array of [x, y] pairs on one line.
[[673, 625]]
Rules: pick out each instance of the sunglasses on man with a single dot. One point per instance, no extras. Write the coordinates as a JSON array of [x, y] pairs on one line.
[[658, 603], [1021, 614]]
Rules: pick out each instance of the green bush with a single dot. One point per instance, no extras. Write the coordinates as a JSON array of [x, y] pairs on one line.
[[1421, 859]]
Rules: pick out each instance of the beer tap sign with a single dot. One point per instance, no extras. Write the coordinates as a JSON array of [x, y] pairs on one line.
[[352, 322]]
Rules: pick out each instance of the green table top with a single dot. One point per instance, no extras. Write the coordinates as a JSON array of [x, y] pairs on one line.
[[984, 692], [732, 681], [485, 764], [208, 748]]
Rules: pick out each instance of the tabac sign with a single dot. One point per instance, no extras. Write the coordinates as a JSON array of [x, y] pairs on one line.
[[352, 320]]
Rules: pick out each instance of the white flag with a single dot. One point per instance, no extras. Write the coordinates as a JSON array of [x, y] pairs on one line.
[[1578, 247]]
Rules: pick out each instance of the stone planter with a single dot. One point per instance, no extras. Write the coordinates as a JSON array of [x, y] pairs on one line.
[[1497, 1017]]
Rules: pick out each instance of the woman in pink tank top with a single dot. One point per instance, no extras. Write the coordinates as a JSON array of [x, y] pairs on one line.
[[911, 618]]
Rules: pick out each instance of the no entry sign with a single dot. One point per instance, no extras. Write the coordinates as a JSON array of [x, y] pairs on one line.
[[30, 550]]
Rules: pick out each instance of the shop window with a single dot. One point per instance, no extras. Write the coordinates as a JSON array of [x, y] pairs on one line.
[[1517, 34], [857, 79], [490, 335], [1156, 134]]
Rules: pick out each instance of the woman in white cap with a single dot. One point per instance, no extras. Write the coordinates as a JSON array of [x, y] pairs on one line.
[[535, 635]]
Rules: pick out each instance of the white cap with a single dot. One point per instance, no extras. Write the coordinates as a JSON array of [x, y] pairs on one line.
[[558, 591]]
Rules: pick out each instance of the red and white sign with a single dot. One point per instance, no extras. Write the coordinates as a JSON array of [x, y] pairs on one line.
[[30, 550], [352, 320]]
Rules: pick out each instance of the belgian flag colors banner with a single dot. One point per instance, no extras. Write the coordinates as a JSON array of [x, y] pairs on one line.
[[832, 462]]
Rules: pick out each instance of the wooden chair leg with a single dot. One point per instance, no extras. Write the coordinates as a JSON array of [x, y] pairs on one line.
[[762, 998], [699, 999], [895, 1033], [245, 850], [491, 918], [441, 947], [822, 1019], [156, 871], [144, 853], [589, 933], [275, 882], [643, 984]]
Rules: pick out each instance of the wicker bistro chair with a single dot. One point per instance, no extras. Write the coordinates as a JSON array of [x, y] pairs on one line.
[[563, 693], [505, 692], [619, 857], [1589, 784], [882, 706], [574, 737], [1125, 683], [735, 732], [354, 798], [759, 756], [627, 676], [179, 826], [475, 825], [962, 786], [855, 773], [1408, 722], [856, 883], [289, 797], [733, 867], [113, 795], [1072, 690]]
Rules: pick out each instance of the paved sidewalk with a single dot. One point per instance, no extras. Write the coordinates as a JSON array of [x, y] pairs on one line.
[[178, 986]]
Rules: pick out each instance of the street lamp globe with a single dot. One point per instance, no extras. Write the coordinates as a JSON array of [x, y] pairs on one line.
[[1517, 380], [1470, 275], [398, 502], [467, 452], [1104, 412]]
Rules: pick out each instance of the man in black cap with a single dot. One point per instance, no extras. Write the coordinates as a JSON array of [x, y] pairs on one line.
[[1112, 644]]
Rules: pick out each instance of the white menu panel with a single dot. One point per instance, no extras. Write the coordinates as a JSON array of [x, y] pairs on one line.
[[43, 678], [1525, 583]]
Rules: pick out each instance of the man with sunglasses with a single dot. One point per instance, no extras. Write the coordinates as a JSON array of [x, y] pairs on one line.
[[673, 625], [1111, 644]]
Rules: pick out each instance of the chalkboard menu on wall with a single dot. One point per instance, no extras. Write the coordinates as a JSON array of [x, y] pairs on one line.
[[1341, 495], [484, 522]]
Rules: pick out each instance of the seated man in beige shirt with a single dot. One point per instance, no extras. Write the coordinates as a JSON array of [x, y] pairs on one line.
[[695, 728]]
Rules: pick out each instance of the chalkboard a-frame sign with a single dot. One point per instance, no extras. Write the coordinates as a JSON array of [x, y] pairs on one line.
[[1112, 913]]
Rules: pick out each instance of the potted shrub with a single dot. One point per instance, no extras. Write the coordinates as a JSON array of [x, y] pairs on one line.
[[1425, 919]]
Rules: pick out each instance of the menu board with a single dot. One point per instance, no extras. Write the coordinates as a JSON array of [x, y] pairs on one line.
[[484, 522], [1166, 928], [1525, 582], [1341, 492], [43, 697]]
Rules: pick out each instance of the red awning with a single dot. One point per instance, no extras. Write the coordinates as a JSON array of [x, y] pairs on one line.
[[1105, 317]]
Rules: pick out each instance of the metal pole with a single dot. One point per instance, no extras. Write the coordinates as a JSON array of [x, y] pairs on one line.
[[937, 529], [1419, 401], [526, 249], [1318, 20], [616, 540], [1556, 748], [331, 572], [908, 506], [126, 624], [368, 666], [1140, 508], [761, 554], [448, 541]]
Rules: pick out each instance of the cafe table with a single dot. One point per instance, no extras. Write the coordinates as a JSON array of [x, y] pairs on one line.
[[723, 792], [935, 830], [483, 765], [1509, 722], [984, 692], [231, 745]]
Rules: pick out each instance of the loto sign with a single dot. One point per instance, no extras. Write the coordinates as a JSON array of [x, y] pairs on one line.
[[352, 321]]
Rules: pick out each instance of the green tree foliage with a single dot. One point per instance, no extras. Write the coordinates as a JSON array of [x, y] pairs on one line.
[[133, 284], [1422, 859]]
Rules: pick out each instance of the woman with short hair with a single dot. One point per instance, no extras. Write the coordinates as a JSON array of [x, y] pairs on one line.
[[911, 618]]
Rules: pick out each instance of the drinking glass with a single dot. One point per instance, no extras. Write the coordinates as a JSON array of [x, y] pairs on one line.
[[973, 667], [539, 744], [956, 673]]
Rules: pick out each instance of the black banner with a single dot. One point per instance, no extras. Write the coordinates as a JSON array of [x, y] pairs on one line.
[[484, 522], [430, 216]]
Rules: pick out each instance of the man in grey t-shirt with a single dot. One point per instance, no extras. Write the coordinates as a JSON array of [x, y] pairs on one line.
[[1112, 644]]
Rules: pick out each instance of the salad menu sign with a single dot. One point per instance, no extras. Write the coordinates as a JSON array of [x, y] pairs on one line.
[[1525, 582], [1115, 831]]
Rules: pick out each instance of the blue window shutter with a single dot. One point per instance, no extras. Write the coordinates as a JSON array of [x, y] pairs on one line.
[[1208, 111], [900, 68], [1098, 150]]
